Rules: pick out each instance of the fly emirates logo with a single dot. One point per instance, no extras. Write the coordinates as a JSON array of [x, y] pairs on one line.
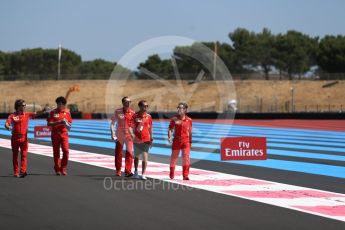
[[243, 148], [42, 131]]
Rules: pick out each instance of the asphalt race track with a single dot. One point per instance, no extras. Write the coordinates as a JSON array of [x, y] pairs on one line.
[[309, 158]]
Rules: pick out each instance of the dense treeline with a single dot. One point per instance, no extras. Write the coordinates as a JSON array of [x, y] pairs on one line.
[[42, 64], [291, 54]]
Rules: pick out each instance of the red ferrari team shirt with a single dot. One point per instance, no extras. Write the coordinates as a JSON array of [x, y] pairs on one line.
[[182, 128], [58, 115], [141, 124], [123, 119], [20, 122]]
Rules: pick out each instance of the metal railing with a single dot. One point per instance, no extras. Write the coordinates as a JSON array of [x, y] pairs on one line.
[[259, 107]]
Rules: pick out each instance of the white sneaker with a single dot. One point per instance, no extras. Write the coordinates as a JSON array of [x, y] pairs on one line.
[[143, 177]]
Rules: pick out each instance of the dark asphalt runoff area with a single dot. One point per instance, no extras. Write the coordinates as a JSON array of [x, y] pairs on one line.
[[84, 200]]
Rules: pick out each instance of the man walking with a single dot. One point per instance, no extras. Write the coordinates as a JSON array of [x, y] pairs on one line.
[[60, 120], [181, 126], [141, 131], [18, 122], [121, 120]]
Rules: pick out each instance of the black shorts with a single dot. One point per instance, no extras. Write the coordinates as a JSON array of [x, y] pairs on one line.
[[139, 148]]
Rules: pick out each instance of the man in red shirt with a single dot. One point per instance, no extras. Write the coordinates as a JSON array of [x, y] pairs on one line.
[[18, 122], [181, 126], [60, 120], [121, 136], [141, 123]]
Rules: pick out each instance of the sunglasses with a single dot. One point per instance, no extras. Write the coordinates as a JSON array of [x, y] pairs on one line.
[[23, 105], [180, 107], [145, 106]]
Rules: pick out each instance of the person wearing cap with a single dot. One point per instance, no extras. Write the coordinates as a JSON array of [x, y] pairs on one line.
[[60, 120], [121, 119], [18, 123], [141, 132], [181, 128]]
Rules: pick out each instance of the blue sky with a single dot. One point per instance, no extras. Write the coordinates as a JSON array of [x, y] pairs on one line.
[[109, 28]]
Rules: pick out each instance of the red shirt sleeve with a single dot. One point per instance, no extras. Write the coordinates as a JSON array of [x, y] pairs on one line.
[[151, 128], [69, 118], [190, 137], [31, 115], [9, 119], [132, 121], [172, 124]]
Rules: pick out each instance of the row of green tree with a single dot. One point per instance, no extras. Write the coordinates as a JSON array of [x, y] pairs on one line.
[[291, 54], [41, 63]]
